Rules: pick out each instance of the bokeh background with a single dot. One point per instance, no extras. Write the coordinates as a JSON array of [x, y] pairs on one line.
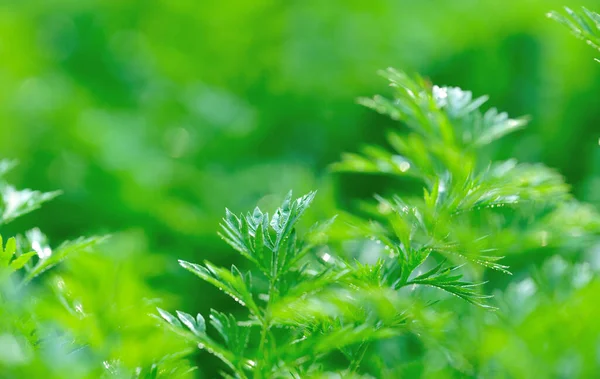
[[153, 116]]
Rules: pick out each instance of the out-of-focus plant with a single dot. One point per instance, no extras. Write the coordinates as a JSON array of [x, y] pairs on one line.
[[84, 321], [27, 349]]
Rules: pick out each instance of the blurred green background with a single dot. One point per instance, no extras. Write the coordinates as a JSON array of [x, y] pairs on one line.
[[153, 116]]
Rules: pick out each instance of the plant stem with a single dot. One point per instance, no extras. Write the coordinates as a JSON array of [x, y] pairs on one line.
[[264, 330], [360, 355]]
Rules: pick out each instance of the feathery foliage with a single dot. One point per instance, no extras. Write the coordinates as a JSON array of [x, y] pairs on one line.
[[46, 327], [462, 270], [24, 340], [585, 24], [307, 303]]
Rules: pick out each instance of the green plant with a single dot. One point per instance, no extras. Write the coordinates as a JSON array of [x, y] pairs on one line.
[[463, 267], [25, 343], [73, 321], [584, 24], [473, 211], [315, 311]]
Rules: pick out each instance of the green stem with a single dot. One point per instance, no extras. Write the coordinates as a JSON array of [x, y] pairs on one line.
[[264, 331], [359, 357]]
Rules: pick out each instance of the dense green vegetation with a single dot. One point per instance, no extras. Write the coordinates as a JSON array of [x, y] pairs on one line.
[[477, 257]]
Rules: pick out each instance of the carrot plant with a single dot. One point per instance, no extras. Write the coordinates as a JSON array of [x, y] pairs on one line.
[[464, 267], [27, 345], [584, 24], [57, 323], [315, 311]]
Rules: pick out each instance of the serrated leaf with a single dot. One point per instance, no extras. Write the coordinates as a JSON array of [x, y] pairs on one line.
[[200, 323], [584, 24], [15, 203], [234, 335], [191, 323], [21, 260], [233, 282], [169, 317], [260, 249], [448, 279], [8, 251], [65, 249]]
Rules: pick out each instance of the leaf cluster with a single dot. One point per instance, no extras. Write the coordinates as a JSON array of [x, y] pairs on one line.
[[40, 313], [584, 24], [313, 310]]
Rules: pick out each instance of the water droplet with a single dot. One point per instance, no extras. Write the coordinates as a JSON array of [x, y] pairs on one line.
[[240, 301]]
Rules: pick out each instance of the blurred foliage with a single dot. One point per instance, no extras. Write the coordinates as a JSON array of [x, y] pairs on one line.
[[78, 321], [153, 117]]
